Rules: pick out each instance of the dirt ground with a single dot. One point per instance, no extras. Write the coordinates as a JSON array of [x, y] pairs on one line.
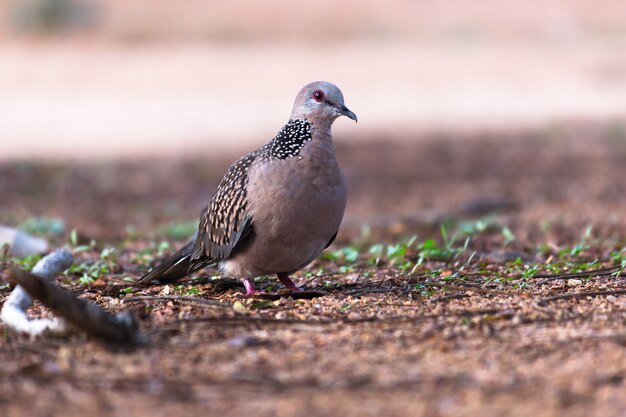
[[502, 325]]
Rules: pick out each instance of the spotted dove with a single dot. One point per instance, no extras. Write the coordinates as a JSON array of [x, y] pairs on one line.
[[277, 207]]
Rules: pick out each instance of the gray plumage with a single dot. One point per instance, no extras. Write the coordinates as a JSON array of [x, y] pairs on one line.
[[276, 208]]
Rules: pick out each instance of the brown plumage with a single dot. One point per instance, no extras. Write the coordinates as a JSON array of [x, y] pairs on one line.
[[276, 208]]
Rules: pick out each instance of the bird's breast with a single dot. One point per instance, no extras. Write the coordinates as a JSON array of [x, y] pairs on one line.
[[296, 205], [307, 185]]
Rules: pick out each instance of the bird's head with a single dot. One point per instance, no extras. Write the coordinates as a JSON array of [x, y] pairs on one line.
[[320, 101]]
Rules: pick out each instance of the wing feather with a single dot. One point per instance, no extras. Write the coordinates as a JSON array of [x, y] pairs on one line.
[[225, 222]]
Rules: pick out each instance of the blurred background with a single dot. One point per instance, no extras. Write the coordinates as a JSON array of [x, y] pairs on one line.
[[464, 107], [95, 78]]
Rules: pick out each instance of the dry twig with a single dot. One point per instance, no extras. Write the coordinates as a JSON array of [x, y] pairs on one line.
[[14, 309], [90, 318]]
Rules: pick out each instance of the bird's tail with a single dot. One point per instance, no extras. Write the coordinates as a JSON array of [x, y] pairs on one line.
[[175, 267]]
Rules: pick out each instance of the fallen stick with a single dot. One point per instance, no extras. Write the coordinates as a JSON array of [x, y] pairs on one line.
[[111, 328], [75, 313], [14, 310]]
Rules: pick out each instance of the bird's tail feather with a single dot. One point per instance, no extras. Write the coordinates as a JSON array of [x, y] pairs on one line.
[[175, 267]]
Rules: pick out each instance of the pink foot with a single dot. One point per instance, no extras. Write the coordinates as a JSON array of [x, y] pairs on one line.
[[287, 282], [248, 283]]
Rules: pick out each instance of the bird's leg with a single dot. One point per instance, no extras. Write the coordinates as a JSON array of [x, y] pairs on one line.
[[249, 284], [287, 282]]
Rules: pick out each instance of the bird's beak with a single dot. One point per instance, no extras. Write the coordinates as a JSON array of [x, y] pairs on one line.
[[346, 112]]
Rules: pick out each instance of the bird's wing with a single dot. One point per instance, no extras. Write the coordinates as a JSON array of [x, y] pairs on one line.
[[176, 266], [226, 221]]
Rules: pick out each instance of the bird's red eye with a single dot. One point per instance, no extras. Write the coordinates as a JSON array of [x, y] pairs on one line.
[[319, 95]]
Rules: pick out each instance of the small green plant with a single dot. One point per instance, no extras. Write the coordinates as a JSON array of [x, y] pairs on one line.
[[109, 254], [619, 258], [192, 291], [396, 252], [347, 254], [43, 226], [474, 228], [178, 230], [27, 263], [147, 255], [162, 248], [508, 235], [427, 250], [344, 269], [76, 248], [73, 237], [583, 245], [530, 271], [395, 255], [89, 272], [344, 308], [424, 290], [430, 250], [375, 253]]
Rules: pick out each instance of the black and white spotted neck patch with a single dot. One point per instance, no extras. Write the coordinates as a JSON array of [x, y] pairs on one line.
[[288, 142]]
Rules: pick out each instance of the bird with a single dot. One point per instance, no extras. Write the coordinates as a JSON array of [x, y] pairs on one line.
[[276, 208]]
